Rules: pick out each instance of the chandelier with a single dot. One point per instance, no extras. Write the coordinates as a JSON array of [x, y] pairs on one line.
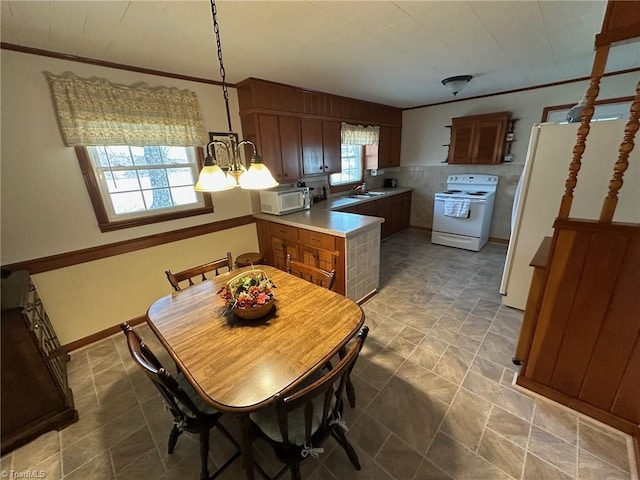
[[212, 177]]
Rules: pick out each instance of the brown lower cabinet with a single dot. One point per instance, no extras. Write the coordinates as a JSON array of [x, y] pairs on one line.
[[395, 209], [35, 396], [313, 248]]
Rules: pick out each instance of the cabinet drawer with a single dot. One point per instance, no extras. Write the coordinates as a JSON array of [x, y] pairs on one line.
[[283, 231], [317, 240]]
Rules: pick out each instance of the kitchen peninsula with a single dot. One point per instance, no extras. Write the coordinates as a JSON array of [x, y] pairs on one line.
[[329, 239]]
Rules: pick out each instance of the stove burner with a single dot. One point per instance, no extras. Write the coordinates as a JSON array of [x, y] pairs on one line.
[[478, 193], [449, 192]]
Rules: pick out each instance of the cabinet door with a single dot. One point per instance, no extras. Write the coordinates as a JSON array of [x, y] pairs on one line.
[[312, 147], [396, 213], [406, 210], [489, 142], [478, 139], [290, 144], [270, 145], [384, 147], [280, 249], [332, 143], [368, 208], [383, 209], [396, 140], [460, 149]]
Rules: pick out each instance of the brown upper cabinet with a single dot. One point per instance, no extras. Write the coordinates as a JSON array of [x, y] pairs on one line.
[[278, 141], [478, 139], [320, 147], [387, 152], [298, 131]]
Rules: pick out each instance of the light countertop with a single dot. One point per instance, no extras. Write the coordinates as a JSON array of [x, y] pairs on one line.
[[321, 217], [321, 220], [345, 201]]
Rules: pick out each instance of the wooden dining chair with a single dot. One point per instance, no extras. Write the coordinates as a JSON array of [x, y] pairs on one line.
[[310, 273], [299, 421], [190, 412], [324, 279], [190, 273]]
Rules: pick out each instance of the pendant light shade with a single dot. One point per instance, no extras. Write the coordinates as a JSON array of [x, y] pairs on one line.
[[212, 178], [257, 177]]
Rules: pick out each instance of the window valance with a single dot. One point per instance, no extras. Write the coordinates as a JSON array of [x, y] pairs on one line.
[[360, 135], [97, 112]]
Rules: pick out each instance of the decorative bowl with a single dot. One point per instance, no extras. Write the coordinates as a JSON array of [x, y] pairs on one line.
[[249, 295], [253, 313]]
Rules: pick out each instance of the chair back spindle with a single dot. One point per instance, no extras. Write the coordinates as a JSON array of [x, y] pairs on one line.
[[310, 273], [191, 273]]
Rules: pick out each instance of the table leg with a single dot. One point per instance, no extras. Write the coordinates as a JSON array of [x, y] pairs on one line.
[[246, 446]]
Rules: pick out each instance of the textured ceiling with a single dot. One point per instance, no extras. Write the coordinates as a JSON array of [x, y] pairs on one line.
[[394, 53]]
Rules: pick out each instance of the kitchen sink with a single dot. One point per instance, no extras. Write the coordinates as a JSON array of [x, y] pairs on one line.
[[367, 195]]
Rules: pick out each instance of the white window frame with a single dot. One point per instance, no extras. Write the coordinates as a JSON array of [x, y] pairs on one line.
[[352, 170], [96, 180]]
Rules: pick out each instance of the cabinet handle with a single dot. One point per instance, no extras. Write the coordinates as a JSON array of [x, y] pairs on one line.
[[321, 168], [286, 174]]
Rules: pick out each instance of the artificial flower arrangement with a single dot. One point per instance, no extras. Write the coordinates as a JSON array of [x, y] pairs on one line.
[[249, 295]]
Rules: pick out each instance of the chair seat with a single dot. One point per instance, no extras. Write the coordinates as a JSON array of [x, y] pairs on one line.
[[203, 406], [267, 419]]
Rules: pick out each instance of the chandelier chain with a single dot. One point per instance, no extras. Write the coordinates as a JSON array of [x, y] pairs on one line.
[[225, 93]]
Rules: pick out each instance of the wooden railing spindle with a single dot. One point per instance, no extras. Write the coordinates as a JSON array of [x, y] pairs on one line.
[[611, 201], [597, 71]]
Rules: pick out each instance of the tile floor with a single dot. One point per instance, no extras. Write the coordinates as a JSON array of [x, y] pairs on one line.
[[435, 399]]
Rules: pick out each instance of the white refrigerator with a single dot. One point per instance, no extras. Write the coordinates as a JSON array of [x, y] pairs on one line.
[[541, 187]]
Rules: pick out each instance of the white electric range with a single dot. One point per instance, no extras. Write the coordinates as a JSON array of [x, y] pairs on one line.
[[462, 213]]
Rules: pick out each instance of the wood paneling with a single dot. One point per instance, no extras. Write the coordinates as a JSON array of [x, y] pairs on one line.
[[621, 22], [601, 262], [262, 96], [586, 340]]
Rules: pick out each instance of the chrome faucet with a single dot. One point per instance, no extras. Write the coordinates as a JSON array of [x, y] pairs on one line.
[[362, 188]]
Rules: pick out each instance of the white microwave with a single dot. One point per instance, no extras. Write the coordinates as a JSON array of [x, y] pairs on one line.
[[281, 201]]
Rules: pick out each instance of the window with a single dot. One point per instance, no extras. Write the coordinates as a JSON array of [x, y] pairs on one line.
[[609, 109], [132, 186], [351, 166]]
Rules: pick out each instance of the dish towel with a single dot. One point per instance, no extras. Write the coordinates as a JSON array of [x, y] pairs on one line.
[[456, 207]]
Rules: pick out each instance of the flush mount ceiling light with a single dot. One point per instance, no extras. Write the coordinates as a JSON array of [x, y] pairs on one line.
[[457, 83], [213, 178]]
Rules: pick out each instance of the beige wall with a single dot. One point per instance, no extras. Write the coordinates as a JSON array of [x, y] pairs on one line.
[[424, 134], [90, 297], [46, 208]]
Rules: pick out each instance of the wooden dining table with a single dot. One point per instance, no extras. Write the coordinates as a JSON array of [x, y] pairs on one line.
[[239, 366]]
